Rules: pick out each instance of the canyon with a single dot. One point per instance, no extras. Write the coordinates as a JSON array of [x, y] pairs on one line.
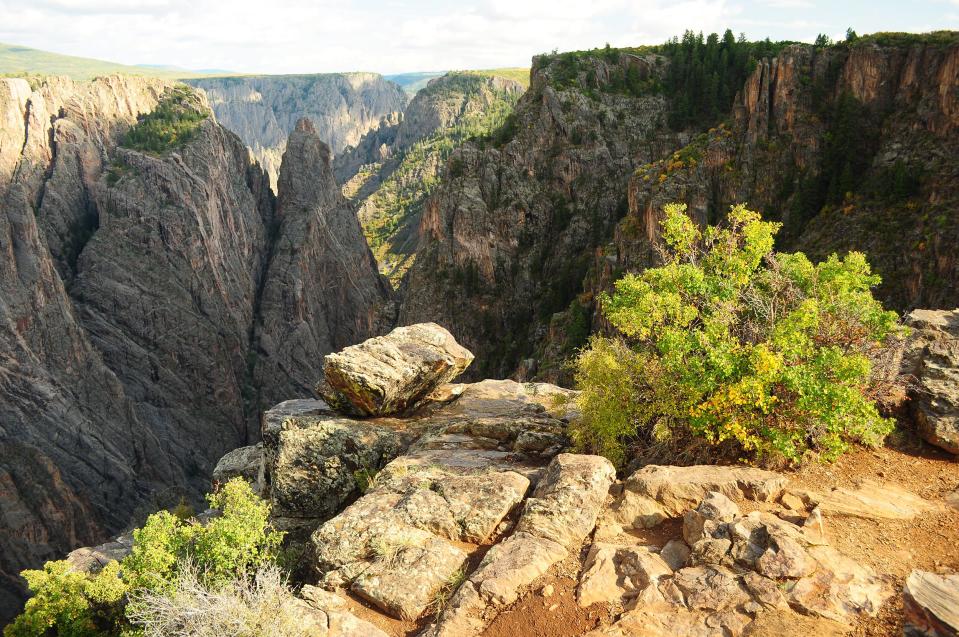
[[155, 303]]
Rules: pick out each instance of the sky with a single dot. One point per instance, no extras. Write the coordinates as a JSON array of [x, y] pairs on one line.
[[388, 36]]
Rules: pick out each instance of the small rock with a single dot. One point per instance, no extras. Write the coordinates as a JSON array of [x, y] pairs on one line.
[[546, 591], [244, 462], [676, 554], [792, 502]]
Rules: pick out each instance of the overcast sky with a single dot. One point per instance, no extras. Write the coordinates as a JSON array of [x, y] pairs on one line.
[[389, 36]]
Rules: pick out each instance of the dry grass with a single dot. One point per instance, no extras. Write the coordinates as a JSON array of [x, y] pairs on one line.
[[258, 606]]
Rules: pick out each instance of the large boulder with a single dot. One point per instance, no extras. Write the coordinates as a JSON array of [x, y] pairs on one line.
[[392, 374], [931, 605], [932, 358]]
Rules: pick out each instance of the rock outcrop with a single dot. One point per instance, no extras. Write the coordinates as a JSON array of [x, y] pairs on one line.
[[264, 110], [931, 357]]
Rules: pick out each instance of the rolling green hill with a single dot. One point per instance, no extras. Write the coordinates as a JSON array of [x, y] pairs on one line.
[[22, 60]]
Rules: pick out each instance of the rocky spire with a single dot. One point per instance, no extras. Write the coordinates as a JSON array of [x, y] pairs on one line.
[[322, 290]]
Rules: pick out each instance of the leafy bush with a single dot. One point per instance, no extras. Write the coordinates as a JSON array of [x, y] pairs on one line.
[[730, 349], [219, 553], [170, 125], [74, 604]]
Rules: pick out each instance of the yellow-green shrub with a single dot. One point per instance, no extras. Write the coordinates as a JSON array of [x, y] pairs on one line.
[[734, 348], [230, 546]]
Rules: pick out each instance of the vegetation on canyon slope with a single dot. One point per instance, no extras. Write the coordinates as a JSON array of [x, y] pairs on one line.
[[170, 555], [170, 125], [388, 212], [731, 350]]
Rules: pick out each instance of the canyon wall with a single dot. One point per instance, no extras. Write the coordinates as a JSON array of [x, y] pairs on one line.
[[263, 110]]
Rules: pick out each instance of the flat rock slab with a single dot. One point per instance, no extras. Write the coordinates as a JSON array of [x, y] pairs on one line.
[[931, 605], [392, 374], [562, 511], [871, 500]]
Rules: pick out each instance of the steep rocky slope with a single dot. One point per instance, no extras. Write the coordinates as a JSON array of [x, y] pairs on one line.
[[74, 459], [508, 236], [263, 110], [131, 290], [392, 170], [850, 145]]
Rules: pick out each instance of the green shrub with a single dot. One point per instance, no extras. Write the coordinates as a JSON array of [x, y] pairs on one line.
[[170, 125], [221, 552], [729, 349], [72, 604]]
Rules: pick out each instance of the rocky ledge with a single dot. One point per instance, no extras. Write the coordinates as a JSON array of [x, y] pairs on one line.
[[447, 517], [443, 521]]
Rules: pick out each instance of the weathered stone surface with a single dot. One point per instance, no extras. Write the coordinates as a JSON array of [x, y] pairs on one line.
[[840, 588], [656, 493], [393, 374], [740, 568], [616, 573], [680, 488], [703, 521], [573, 488], [243, 462], [931, 604], [932, 357], [675, 553], [871, 500], [400, 543], [335, 619], [567, 499], [320, 462]]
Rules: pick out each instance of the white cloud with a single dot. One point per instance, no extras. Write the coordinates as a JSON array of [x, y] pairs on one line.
[[292, 36]]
